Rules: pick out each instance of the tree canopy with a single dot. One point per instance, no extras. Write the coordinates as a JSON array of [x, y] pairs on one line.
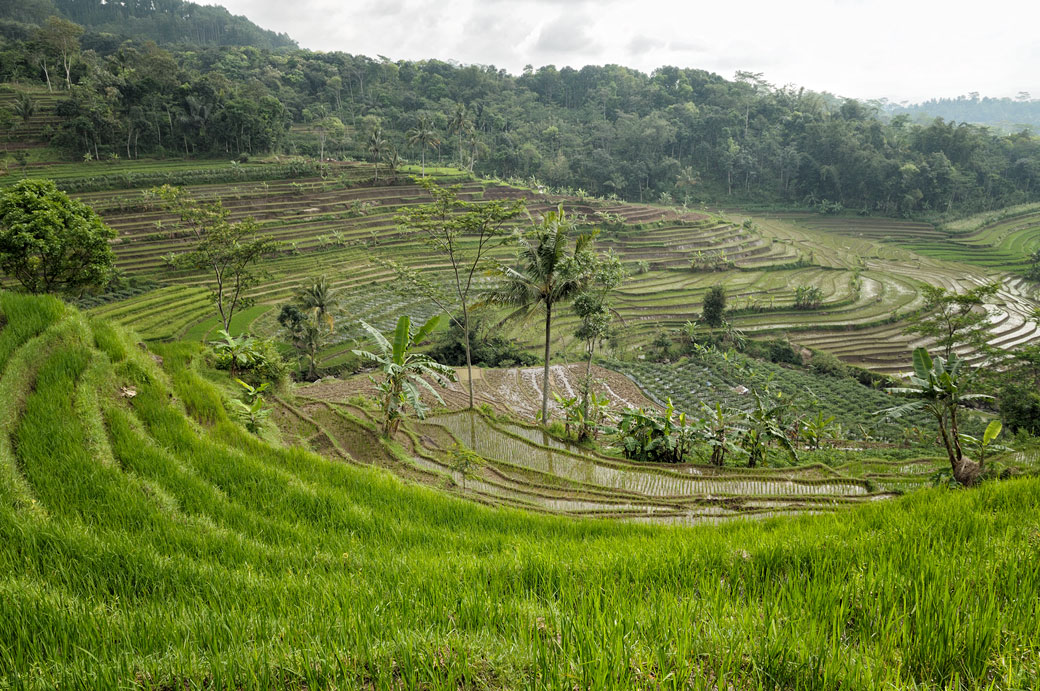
[[51, 243]]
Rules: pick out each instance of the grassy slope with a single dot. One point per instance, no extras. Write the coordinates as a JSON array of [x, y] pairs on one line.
[[151, 539]]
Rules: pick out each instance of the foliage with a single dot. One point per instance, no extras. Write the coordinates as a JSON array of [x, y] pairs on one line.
[[765, 425], [230, 250], [251, 411], [51, 243], [645, 435], [807, 297], [405, 371], [463, 232], [546, 272], [1020, 407], [955, 319], [713, 311], [936, 387], [255, 359], [489, 348]]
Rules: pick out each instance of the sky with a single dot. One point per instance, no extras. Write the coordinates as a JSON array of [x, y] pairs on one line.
[[901, 50]]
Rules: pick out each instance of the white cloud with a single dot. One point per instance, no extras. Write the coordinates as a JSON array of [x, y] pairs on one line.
[[897, 49]]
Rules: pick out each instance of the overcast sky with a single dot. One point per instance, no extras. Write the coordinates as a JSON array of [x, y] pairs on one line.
[[896, 49]]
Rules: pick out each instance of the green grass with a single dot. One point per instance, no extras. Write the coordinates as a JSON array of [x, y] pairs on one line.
[[169, 548]]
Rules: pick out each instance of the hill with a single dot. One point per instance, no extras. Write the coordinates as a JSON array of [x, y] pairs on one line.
[[146, 539], [166, 22]]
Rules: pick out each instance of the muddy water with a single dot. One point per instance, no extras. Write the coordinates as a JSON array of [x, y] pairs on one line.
[[490, 443]]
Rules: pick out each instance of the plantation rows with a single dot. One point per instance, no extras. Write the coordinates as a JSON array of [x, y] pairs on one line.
[[712, 379]]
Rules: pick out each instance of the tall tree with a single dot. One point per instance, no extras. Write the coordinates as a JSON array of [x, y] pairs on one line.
[[547, 272], [592, 306], [51, 243], [424, 136], [463, 233], [377, 147], [61, 39], [230, 250]]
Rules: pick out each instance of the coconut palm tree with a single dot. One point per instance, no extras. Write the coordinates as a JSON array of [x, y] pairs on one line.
[[377, 147], [404, 370], [546, 274], [423, 135], [320, 300], [459, 124], [393, 161]]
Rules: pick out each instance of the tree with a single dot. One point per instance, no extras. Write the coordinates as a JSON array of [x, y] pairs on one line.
[[423, 135], [61, 38], [404, 370], [377, 147], [955, 320], [463, 232], [230, 250], [459, 124], [936, 387], [592, 306], [713, 312], [545, 275], [393, 161], [309, 319], [25, 108], [51, 243]]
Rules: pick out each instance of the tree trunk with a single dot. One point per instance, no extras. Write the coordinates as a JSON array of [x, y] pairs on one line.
[[469, 359], [545, 369]]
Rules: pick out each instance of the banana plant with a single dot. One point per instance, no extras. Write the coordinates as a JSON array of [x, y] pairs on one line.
[[986, 444], [935, 386], [405, 371], [764, 428], [816, 430], [718, 428]]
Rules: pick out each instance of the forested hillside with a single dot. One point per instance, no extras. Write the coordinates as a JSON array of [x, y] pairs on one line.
[[681, 135], [162, 21]]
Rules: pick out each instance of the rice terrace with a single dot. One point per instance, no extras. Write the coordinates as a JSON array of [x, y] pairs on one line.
[[319, 371]]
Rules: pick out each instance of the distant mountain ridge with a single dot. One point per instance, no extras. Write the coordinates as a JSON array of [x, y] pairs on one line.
[[1005, 114]]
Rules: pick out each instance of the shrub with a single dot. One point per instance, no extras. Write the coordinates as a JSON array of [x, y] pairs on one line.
[[825, 363]]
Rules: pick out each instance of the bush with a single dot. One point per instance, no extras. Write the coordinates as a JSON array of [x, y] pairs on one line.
[[487, 349], [825, 363], [782, 352], [1020, 408]]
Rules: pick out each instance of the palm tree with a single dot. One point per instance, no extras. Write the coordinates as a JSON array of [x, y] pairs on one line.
[[377, 147], [321, 300], [393, 161], [25, 108], [405, 370], [423, 135], [546, 274], [459, 124]]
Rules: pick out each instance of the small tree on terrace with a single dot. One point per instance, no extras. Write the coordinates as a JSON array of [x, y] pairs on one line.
[[405, 371], [713, 313], [955, 319], [592, 306], [51, 243], [546, 274], [229, 250], [462, 232]]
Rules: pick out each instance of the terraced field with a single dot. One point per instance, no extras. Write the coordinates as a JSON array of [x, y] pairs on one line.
[[869, 276], [513, 464]]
